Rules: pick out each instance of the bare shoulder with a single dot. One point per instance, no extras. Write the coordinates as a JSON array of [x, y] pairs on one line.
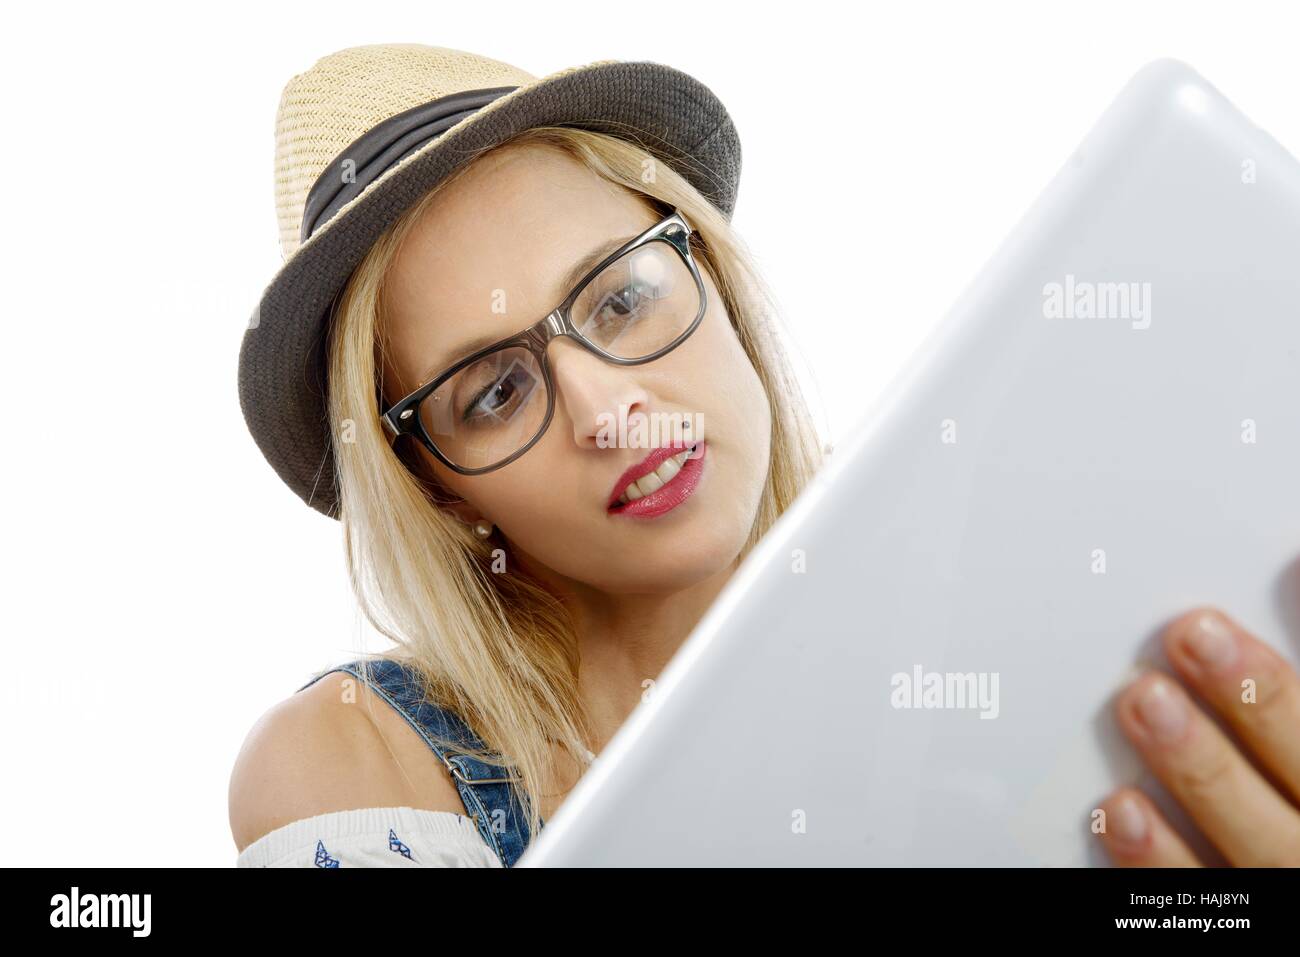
[[332, 746]]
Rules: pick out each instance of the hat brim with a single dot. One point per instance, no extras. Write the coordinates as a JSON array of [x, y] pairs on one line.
[[282, 387]]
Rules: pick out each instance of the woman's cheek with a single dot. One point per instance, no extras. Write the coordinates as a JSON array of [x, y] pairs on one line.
[[537, 509], [754, 415]]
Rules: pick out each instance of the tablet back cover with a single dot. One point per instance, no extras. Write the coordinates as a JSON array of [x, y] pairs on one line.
[[1046, 485]]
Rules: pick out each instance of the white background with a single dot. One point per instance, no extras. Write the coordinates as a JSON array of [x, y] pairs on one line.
[[161, 587]]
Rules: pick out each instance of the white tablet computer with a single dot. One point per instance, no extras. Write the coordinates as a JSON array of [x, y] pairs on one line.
[[1104, 433]]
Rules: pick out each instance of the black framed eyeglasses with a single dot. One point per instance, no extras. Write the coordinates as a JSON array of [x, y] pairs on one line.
[[640, 302]]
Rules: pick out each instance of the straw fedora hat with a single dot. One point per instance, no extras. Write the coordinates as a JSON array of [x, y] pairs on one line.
[[362, 135]]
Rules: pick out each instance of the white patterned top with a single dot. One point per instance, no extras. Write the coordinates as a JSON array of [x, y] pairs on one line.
[[373, 837]]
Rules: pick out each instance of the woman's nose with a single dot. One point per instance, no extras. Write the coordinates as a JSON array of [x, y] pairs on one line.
[[594, 393]]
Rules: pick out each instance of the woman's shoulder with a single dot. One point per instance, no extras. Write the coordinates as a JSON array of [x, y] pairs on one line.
[[334, 745]]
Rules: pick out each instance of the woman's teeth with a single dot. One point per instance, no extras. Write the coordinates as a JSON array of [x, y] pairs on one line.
[[653, 481]]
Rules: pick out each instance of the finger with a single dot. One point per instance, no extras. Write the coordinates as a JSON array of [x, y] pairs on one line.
[[1246, 682], [1244, 815], [1137, 835]]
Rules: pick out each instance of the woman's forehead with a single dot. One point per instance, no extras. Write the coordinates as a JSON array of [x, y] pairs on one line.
[[514, 223], [493, 252]]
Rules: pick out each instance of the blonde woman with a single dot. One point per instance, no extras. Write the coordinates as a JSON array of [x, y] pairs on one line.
[[558, 419]]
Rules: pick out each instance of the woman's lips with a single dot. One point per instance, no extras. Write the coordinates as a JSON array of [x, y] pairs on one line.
[[655, 458], [672, 493]]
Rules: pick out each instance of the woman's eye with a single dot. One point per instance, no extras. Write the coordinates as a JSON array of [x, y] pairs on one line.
[[501, 397], [491, 399], [618, 306], [626, 301]]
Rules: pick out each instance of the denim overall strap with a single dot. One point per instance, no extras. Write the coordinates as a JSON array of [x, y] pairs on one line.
[[484, 788]]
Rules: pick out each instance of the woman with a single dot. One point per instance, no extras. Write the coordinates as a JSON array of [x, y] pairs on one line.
[[495, 584], [534, 566]]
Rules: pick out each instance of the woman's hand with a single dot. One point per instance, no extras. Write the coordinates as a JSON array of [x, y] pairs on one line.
[[1248, 815]]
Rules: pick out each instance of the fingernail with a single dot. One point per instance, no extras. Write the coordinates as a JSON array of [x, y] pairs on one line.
[[1163, 711], [1211, 642], [1129, 821]]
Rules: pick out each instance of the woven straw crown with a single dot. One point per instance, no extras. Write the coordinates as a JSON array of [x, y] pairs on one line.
[[324, 109]]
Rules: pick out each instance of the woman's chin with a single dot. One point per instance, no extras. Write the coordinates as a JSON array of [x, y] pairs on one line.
[[681, 563]]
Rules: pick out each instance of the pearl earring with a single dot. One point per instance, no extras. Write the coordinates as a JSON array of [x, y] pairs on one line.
[[482, 528]]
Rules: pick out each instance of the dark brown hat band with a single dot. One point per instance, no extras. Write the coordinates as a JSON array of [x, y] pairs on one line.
[[384, 146]]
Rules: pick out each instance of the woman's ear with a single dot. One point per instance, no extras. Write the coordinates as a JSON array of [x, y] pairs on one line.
[[464, 511]]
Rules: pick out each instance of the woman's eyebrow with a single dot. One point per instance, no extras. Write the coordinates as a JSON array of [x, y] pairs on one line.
[[571, 279], [588, 262]]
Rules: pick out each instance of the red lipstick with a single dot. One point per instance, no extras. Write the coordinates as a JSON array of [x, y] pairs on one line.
[[670, 495]]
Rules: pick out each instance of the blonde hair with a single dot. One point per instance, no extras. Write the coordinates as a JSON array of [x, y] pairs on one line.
[[499, 650]]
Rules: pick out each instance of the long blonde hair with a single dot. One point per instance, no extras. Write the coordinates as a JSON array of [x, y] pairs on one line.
[[499, 649]]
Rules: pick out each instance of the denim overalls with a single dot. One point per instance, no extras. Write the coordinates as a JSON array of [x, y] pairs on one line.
[[484, 789]]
